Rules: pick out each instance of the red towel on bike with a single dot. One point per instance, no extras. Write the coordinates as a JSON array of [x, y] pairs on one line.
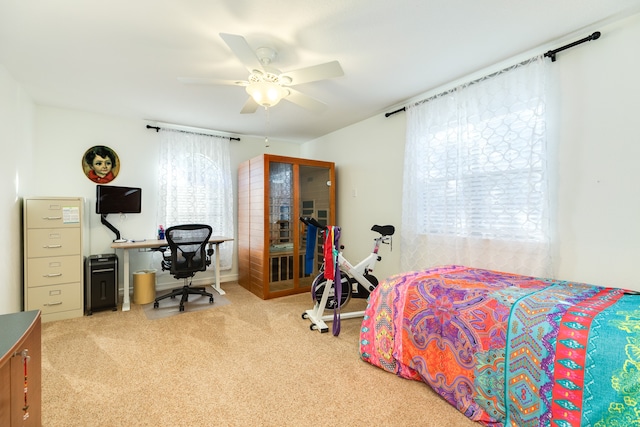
[[331, 270], [329, 262]]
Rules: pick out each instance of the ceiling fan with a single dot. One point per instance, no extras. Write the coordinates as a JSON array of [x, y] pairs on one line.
[[267, 85]]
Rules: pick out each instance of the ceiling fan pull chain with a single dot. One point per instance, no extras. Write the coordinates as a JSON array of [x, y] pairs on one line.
[[266, 128]]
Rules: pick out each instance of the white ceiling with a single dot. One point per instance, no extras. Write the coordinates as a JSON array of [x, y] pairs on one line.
[[123, 57]]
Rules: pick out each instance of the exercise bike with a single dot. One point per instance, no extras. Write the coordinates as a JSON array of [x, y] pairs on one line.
[[356, 281]]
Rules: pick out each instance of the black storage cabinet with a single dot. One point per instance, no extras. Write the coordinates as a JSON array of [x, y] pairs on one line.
[[101, 283]]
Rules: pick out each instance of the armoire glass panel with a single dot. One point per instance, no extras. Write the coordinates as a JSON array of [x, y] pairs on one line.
[[315, 201], [281, 256]]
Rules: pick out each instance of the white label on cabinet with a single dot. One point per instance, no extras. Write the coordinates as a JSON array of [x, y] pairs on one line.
[[71, 215]]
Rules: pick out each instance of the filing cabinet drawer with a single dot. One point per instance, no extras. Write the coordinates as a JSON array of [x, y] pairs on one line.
[[53, 270], [43, 213], [55, 298], [42, 242]]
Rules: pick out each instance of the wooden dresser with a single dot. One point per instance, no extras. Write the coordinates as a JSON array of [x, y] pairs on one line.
[[20, 354], [53, 258]]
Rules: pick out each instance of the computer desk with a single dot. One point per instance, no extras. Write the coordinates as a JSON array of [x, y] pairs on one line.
[[154, 244]]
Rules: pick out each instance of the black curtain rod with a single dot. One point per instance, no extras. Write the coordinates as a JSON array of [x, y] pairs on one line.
[[157, 129], [394, 112], [550, 54]]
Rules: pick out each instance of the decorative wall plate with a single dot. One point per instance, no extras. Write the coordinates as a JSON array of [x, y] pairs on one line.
[[100, 164]]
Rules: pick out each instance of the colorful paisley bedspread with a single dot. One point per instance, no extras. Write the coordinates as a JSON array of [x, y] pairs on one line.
[[510, 350]]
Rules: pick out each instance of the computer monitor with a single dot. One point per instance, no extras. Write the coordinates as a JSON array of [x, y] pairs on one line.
[[111, 199]]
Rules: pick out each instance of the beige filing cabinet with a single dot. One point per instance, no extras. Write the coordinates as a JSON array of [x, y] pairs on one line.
[[53, 258]]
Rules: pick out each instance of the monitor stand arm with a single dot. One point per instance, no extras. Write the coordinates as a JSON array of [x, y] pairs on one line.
[[103, 219]]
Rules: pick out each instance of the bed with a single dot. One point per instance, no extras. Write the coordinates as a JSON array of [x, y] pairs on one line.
[[506, 349]]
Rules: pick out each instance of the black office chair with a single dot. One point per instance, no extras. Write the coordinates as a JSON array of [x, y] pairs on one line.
[[188, 255]]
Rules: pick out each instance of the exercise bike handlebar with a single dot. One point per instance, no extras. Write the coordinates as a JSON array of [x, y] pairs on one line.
[[312, 221], [384, 230]]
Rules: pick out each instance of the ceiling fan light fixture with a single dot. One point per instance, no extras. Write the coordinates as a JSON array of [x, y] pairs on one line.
[[284, 80], [266, 94]]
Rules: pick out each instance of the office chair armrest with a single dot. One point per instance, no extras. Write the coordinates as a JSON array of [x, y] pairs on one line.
[[166, 257], [209, 254]]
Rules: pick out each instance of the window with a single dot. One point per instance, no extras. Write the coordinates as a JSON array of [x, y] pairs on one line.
[[475, 182], [485, 177], [195, 184]]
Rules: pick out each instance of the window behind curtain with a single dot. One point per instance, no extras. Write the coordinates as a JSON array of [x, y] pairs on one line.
[[475, 184], [195, 184]]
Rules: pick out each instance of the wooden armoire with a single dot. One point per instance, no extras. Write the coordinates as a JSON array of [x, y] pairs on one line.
[[274, 256]]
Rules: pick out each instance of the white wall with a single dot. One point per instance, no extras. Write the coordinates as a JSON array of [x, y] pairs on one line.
[[597, 184], [62, 137], [16, 140], [598, 216], [368, 157]]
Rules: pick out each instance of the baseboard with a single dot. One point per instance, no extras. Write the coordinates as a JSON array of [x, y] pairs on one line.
[[205, 281]]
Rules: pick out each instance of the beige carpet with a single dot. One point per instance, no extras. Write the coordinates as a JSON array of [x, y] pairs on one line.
[[171, 306], [248, 363]]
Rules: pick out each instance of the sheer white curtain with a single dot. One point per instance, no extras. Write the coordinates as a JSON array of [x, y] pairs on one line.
[[195, 184], [475, 180]]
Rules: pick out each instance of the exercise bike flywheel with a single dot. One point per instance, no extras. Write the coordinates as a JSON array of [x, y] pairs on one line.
[[320, 282]]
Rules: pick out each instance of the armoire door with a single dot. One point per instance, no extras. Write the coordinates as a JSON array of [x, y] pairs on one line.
[[295, 253], [280, 221], [315, 201]]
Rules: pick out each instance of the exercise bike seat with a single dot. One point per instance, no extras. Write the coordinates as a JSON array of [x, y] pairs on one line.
[[385, 230]]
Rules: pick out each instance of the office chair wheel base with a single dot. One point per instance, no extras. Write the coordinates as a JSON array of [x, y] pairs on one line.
[[156, 304], [182, 308], [210, 300]]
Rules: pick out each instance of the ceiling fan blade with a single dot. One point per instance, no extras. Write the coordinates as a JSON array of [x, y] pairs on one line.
[[314, 73], [242, 50], [205, 81], [249, 107], [305, 101]]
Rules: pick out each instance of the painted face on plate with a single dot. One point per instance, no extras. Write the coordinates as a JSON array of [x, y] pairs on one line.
[[101, 166]]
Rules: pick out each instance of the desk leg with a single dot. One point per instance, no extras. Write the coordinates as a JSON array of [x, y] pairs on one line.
[[126, 304], [216, 285]]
